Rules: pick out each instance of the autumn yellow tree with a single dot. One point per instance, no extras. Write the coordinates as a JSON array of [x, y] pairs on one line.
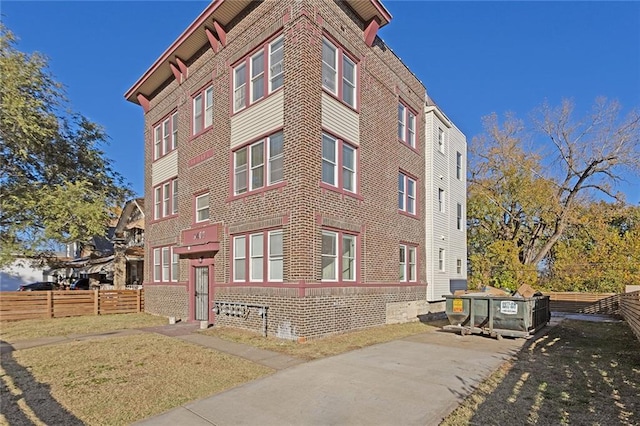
[[529, 181]]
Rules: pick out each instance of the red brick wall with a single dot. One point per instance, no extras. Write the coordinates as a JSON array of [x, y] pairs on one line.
[[302, 205]]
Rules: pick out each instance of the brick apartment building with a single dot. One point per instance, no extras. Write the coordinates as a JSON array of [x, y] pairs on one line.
[[298, 179]]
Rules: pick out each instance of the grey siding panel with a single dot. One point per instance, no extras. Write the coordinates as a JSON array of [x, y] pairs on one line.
[[339, 119], [165, 168], [258, 120]]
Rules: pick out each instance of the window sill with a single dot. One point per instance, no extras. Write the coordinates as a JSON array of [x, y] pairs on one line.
[[200, 133], [260, 191], [343, 192], [411, 215], [162, 219], [412, 148]]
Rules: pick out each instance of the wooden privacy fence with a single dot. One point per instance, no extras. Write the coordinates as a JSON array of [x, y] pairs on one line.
[[18, 305], [592, 303], [630, 310]]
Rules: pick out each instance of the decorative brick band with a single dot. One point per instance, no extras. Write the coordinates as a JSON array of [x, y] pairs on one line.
[[272, 222]]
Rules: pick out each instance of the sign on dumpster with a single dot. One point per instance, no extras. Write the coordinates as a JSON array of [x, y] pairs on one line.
[[458, 305], [508, 307]]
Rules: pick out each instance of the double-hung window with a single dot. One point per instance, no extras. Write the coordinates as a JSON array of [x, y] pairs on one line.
[[406, 125], [166, 265], [339, 259], [458, 166], [441, 200], [339, 73], [202, 208], [459, 266], [408, 263], [259, 164], [339, 164], [203, 110], [459, 216], [406, 194], [165, 136], [258, 257], [259, 74], [165, 199], [441, 260]]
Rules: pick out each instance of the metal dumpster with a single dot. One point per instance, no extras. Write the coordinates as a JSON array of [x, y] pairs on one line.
[[497, 316]]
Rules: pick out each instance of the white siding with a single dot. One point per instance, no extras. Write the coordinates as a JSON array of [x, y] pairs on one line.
[[258, 120], [164, 168], [339, 119], [441, 228]]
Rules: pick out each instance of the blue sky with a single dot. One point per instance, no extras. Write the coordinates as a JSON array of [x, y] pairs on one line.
[[475, 58]]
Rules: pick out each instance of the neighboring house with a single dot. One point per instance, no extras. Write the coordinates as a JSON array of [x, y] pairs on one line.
[[26, 270], [293, 165], [128, 242]]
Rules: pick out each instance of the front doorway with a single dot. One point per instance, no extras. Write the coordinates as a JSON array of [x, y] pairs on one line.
[[201, 293]]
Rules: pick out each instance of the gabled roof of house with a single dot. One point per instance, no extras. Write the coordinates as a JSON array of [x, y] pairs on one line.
[[127, 212]]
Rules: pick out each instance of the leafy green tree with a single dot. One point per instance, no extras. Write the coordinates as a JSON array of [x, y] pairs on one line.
[[56, 185], [521, 199]]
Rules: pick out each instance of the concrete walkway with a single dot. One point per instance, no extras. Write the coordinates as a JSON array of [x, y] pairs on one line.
[[413, 381]]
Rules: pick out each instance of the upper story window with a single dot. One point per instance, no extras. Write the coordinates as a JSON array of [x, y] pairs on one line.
[[202, 208], [441, 140], [258, 255], [166, 199], [338, 256], [459, 266], [406, 125], [406, 194], [339, 164], [339, 73], [165, 137], [408, 263], [459, 216], [441, 200], [458, 166], [441, 264], [203, 110], [259, 74], [259, 164]]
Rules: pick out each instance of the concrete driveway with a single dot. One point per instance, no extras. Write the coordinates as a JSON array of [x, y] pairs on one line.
[[414, 381]]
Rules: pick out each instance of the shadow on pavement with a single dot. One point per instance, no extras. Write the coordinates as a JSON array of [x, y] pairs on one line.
[[17, 384]]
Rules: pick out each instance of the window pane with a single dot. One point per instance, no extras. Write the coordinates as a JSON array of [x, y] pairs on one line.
[[401, 122], [166, 136], [175, 267], [156, 265], [276, 158], [208, 117], [402, 263], [165, 199], [275, 243], [174, 129], [276, 74], [412, 264], [175, 197], [328, 160], [239, 248], [400, 191], [329, 66], [158, 201], [257, 77], [411, 125], [349, 81], [256, 256], [241, 171], [165, 264], [348, 168], [239, 90], [276, 269], [197, 114], [348, 258], [257, 165], [275, 256], [329, 257], [239, 259], [158, 142], [411, 195]]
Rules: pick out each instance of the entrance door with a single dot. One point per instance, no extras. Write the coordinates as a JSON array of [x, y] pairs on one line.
[[202, 293]]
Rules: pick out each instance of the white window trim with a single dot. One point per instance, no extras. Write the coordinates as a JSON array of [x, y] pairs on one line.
[[458, 165], [441, 200], [157, 265], [200, 209], [266, 165], [272, 257], [266, 257], [406, 195], [335, 257], [338, 258], [407, 265], [459, 216], [236, 257], [252, 256], [441, 140]]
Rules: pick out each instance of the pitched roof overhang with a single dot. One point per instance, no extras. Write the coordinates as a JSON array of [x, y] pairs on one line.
[[213, 21]]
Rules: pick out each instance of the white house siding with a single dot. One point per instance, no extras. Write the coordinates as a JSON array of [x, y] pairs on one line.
[[165, 168], [21, 272], [441, 229], [340, 120], [258, 120]]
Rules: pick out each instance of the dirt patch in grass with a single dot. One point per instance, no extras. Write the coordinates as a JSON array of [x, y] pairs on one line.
[[578, 373], [13, 331], [328, 346], [115, 381]]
